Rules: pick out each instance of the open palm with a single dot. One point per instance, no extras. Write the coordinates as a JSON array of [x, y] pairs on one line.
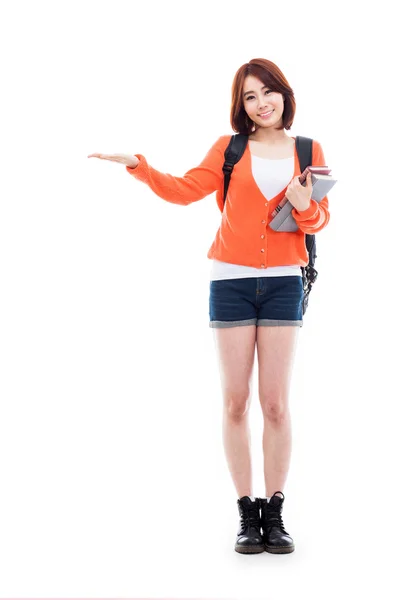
[[125, 159]]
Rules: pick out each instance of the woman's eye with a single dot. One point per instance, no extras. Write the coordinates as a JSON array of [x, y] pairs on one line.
[[266, 92]]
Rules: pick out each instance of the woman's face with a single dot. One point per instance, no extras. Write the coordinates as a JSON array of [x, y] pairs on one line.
[[258, 99]]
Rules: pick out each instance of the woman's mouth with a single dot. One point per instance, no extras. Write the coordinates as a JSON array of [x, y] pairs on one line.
[[266, 114]]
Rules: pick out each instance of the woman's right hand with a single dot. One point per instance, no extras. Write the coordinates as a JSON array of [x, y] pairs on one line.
[[125, 159]]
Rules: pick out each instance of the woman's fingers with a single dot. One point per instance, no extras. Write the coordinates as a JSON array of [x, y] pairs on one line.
[[125, 159], [114, 157]]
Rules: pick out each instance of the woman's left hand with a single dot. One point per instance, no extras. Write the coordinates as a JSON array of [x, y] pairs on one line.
[[298, 195]]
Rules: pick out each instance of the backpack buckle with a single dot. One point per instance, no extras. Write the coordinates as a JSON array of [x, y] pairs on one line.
[[228, 168]]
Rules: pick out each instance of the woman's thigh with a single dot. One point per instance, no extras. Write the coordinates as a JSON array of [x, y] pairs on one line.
[[276, 349], [235, 348]]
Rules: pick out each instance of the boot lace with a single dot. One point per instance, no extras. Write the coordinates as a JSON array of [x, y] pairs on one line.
[[249, 517], [274, 518]]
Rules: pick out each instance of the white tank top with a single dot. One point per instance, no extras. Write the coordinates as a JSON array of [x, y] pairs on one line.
[[271, 176]]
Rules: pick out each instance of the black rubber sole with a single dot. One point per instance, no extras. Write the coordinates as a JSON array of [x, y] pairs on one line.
[[249, 549], [279, 549]]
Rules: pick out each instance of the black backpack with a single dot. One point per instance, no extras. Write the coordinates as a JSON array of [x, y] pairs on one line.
[[234, 153]]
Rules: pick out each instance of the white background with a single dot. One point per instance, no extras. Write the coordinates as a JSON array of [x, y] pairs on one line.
[[112, 470]]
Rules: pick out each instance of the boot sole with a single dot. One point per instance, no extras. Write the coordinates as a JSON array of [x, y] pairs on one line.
[[279, 549], [249, 549]]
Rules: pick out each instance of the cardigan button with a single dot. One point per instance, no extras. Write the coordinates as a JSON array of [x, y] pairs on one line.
[[263, 266], [263, 221], [262, 237], [262, 250]]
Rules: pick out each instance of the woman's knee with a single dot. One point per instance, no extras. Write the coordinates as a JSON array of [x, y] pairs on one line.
[[237, 404], [274, 407]]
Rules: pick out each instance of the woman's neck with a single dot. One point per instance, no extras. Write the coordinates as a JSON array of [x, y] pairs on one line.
[[266, 136]]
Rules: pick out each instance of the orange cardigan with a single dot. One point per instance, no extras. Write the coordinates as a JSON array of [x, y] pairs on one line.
[[243, 237]]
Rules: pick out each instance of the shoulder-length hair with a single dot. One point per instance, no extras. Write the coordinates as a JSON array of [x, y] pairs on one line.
[[270, 75]]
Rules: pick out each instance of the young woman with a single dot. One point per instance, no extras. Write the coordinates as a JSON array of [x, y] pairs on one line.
[[256, 289]]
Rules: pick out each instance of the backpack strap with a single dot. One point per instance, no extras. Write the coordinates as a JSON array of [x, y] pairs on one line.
[[233, 153], [304, 152]]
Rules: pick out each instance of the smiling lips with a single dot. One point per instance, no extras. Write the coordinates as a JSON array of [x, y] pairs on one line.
[[267, 114]]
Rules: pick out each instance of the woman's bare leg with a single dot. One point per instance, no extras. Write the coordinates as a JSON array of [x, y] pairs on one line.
[[276, 348], [236, 349]]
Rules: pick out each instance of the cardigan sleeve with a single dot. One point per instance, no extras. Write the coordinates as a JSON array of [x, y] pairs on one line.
[[317, 215], [195, 184]]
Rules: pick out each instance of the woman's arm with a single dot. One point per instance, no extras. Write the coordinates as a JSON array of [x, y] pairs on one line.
[[317, 215], [196, 183]]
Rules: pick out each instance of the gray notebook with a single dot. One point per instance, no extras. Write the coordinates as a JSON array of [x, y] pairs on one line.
[[284, 220]]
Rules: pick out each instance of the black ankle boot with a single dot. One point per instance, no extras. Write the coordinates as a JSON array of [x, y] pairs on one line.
[[249, 539], [276, 538]]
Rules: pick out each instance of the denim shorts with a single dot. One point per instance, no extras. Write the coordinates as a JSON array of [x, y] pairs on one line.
[[257, 301]]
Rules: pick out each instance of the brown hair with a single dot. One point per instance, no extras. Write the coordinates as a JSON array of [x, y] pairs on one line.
[[270, 75]]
